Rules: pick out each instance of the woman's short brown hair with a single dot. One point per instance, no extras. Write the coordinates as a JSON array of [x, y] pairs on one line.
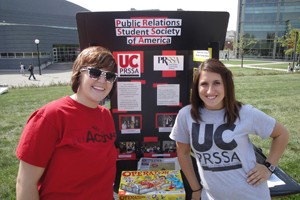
[[94, 56]]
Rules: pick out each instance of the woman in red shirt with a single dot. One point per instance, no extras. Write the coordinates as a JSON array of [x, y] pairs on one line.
[[67, 150]]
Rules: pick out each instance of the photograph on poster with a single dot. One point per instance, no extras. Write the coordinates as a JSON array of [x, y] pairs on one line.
[[165, 121], [127, 147], [169, 146], [151, 147], [130, 123], [159, 149], [127, 150]]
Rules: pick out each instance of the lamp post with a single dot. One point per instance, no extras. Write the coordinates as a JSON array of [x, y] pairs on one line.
[[228, 50], [37, 41]]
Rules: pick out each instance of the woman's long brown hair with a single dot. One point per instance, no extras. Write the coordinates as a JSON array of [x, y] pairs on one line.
[[231, 105]]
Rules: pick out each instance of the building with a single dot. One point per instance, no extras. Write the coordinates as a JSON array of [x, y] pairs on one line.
[[51, 22], [264, 21], [228, 51]]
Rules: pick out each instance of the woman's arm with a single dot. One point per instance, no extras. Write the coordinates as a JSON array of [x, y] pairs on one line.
[[260, 173], [27, 181], [186, 164], [279, 143]]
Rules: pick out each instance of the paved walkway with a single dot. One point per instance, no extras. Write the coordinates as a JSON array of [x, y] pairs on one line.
[[53, 74], [257, 66], [61, 73]]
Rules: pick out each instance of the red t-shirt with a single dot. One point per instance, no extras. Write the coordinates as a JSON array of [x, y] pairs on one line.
[[75, 145]]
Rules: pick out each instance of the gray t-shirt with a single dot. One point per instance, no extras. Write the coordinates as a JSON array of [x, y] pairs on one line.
[[224, 155]]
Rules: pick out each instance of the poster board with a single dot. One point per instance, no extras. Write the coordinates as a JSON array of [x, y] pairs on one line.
[[155, 55]]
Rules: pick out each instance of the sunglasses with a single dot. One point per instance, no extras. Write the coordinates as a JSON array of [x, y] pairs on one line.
[[96, 73]]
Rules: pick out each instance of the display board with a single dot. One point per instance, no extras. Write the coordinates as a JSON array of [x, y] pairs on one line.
[[156, 52]]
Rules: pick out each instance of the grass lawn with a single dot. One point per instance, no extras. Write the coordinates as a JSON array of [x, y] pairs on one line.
[[16, 106], [276, 93]]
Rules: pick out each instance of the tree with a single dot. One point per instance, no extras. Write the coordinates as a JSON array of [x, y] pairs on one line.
[[245, 44], [291, 42]]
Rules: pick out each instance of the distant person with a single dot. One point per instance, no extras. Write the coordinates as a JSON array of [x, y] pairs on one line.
[[67, 149], [22, 69], [30, 69], [137, 124], [216, 127], [226, 56], [289, 68], [124, 125]]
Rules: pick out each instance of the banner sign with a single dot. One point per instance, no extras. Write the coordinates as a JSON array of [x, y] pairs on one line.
[[149, 30]]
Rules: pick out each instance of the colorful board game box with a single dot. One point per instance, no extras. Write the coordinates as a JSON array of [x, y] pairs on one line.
[[148, 185]]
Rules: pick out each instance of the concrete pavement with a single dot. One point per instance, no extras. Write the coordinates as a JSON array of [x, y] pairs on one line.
[[58, 73]]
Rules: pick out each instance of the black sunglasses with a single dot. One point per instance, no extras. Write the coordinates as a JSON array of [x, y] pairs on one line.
[[96, 73]]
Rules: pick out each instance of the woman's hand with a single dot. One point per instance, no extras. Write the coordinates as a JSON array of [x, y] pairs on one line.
[[259, 174]]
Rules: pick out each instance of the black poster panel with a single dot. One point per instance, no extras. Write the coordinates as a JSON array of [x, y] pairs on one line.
[[155, 120]]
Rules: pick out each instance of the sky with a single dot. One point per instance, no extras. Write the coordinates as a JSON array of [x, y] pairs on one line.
[[230, 6]]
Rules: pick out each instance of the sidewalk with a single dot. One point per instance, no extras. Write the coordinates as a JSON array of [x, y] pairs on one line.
[[58, 73]]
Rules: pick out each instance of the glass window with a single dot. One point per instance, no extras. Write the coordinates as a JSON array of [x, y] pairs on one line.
[[11, 55], [28, 55], [19, 55], [3, 55]]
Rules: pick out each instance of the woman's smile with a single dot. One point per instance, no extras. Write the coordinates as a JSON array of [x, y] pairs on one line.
[[211, 90]]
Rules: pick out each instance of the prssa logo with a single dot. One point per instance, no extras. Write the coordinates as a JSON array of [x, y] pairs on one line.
[[129, 63], [168, 63]]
